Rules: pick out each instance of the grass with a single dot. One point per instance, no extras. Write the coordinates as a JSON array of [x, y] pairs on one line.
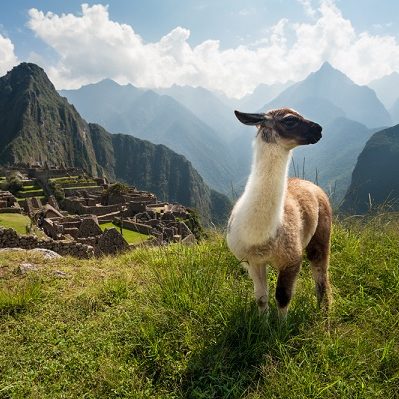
[[15, 221], [80, 187], [180, 322], [32, 190], [132, 237]]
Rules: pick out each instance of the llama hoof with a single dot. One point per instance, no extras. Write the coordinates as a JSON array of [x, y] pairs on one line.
[[282, 314], [263, 306]]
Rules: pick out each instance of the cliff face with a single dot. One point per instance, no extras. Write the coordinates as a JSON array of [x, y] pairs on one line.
[[37, 125], [375, 181]]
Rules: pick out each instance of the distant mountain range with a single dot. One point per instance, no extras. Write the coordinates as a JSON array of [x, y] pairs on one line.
[[328, 93], [163, 120], [261, 95], [37, 125], [201, 125]]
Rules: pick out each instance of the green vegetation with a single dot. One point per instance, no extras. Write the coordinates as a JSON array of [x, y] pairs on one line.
[[117, 189], [12, 183], [32, 191], [180, 322], [79, 187], [132, 237], [56, 190], [16, 221]]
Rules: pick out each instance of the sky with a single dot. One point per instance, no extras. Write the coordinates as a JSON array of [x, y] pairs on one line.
[[225, 45]]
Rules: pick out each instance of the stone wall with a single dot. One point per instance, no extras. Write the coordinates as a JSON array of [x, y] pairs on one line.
[[131, 225], [10, 210], [75, 207], [75, 191], [10, 239]]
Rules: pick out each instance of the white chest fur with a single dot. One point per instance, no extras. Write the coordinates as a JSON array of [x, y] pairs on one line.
[[258, 213]]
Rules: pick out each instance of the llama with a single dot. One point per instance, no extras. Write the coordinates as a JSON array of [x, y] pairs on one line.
[[277, 218]]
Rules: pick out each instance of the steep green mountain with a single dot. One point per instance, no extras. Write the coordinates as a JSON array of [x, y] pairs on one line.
[[375, 179], [162, 120], [332, 91], [37, 125]]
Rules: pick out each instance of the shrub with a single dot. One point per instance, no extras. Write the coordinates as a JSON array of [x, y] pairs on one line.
[[14, 184]]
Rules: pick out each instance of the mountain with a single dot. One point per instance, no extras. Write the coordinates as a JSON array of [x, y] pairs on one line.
[[375, 180], [328, 93], [37, 125], [262, 94], [208, 108], [162, 120], [387, 89], [395, 111]]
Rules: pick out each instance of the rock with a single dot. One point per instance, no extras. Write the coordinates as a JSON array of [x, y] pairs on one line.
[[25, 267], [60, 274], [189, 240], [47, 253]]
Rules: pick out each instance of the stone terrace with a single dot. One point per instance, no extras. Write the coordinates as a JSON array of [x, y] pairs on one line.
[[87, 202]]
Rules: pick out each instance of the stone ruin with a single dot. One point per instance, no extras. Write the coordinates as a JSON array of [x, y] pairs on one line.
[[111, 243], [76, 219], [8, 203]]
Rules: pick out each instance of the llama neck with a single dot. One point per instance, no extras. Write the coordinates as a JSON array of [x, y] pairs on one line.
[[262, 204]]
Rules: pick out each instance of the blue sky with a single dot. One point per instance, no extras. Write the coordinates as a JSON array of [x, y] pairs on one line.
[[224, 45]]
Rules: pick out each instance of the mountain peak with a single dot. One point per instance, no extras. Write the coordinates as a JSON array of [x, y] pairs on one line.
[[27, 75], [28, 70], [326, 66], [327, 69]]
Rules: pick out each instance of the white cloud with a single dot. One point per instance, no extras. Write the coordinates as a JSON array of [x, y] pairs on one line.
[[92, 47], [7, 57], [307, 6]]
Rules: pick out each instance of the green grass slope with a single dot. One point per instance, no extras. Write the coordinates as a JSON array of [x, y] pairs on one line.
[[16, 221], [180, 322]]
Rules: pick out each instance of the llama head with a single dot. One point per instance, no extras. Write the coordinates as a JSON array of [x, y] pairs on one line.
[[284, 126]]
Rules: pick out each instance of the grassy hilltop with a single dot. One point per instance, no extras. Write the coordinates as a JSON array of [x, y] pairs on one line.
[[180, 322]]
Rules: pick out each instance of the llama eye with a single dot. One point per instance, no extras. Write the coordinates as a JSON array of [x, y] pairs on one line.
[[290, 121]]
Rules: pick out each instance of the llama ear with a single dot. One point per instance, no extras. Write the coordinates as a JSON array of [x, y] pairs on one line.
[[250, 119]]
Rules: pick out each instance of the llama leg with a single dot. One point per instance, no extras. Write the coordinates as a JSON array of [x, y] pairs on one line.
[[258, 274], [318, 252], [285, 288]]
